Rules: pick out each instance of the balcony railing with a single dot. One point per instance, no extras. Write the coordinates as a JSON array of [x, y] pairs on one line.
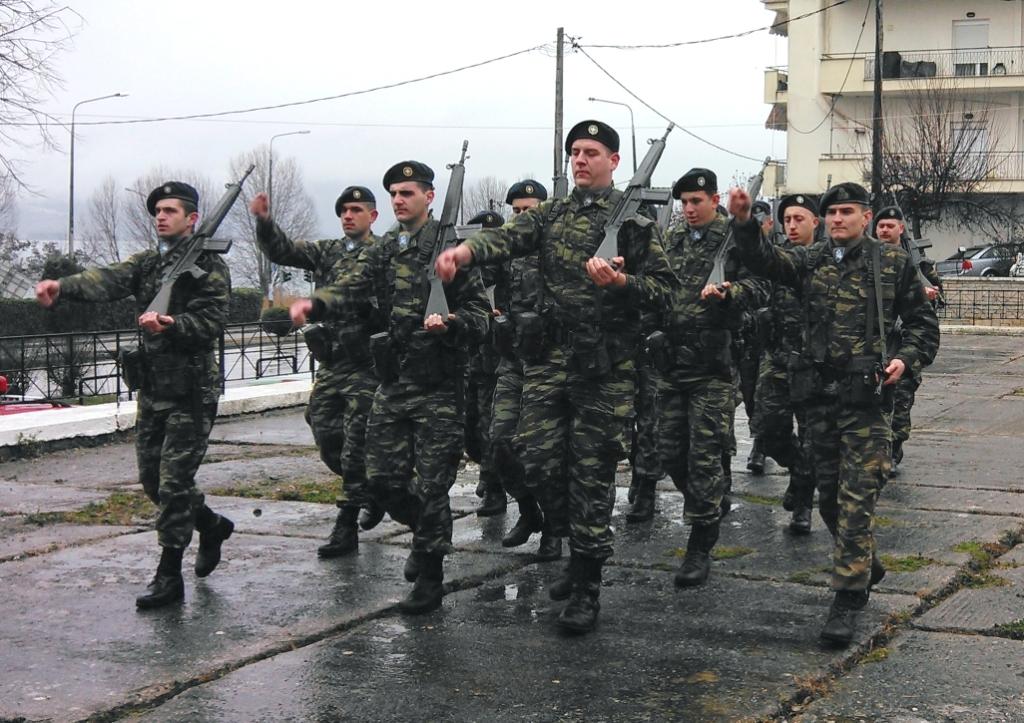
[[947, 63], [986, 166]]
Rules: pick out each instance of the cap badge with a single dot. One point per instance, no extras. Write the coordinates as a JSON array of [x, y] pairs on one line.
[[168, 189], [529, 189], [842, 195], [592, 129], [357, 194], [407, 171], [799, 199], [701, 182]]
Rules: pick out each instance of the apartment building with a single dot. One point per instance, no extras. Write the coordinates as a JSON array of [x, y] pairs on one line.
[[972, 50]]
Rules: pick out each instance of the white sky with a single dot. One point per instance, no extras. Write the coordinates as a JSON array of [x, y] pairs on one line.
[[183, 57]]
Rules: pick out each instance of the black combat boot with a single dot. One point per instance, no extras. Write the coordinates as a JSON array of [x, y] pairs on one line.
[[643, 502], [726, 505], [213, 530], [411, 571], [800, 524], [842, 617], [580, 615], [550, 547], [494, 502], [897, 457], [697, 564], [755, 461], [370, 516], [426, 594], [531, 520], [344, 538], [167, 586], [561, 588], [877, 572]]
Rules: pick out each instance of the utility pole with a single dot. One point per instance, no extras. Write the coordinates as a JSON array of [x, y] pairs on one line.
[[876, 130], [561, 183]]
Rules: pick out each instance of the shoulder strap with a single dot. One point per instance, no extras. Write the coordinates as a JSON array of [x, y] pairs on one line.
[[875, 269]]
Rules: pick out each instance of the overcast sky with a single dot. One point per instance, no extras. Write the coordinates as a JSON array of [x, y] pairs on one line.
[[194, 57]]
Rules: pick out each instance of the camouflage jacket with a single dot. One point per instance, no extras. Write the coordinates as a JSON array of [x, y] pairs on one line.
[[328, 260], [564, 234], [784, 317], [837, 298], [391, 276], [199, 307]]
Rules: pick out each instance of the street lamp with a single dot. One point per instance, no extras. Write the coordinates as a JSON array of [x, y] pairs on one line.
[[71, 183], [270, 195], [632, 126]]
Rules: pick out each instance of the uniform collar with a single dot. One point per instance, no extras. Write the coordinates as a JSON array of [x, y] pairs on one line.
[[591, 196]]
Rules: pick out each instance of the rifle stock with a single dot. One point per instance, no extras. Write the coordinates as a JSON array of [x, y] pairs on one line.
[[446, 235]]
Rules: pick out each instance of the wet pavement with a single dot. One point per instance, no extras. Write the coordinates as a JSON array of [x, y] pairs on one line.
[[277, 635]]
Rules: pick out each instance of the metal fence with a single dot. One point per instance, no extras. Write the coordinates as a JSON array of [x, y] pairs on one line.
[[987, 303], [948, 63], [83, 366]]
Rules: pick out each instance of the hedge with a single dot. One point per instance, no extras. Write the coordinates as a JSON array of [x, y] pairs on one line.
[[24, 316]]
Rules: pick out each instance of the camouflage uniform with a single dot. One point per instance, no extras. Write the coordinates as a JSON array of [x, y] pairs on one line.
[[342, 394], [416, 427], [481, 379], [577, 407], [848, 429], [698, 397], [173, 421]]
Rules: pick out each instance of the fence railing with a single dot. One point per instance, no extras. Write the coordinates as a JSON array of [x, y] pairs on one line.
[[995, 302], [82, 367], [948, 63], [993, 165]]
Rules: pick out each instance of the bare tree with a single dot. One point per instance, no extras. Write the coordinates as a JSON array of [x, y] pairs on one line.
[[104, 228], [292, 208], [8, 205], [32, 34], [139, 230], [484, 194]]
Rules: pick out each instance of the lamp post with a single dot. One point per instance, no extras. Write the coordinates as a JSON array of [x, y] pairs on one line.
[[71, 183], [270, 200], [632, 125]]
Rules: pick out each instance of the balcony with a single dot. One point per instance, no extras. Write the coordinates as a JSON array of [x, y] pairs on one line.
[[776, 85], [984, 69], [1004, 169]]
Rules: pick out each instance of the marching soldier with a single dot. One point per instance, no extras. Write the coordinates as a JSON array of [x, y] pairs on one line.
[[749, 361], [340, 401], [889, 228], [177, 401], [854, 288], [578, 347]]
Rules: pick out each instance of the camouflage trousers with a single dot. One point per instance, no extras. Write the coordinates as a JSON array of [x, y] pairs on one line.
[[508, 398], [338, 409], [903, 402], [414, 444], [479, 413], [696, 433], [646, 458], [850, 457], [748, 371], [170, 443], [572, 432], [773, 424]]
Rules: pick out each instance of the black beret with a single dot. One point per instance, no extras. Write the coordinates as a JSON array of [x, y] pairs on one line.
[[487, 219], [526, 189], [696, 179], [171, 189], [890, 213], [796, 199], [353, 194], [844, 193], [595, 130], [762, 206], [408, 171]]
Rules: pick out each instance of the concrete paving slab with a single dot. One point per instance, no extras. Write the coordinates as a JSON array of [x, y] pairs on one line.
[[980, 609], [25, 499], [1014, 556], [89, 467], [931, 677], [20, 538], [73, 643], [243, 472], [281, 427], [493, 654], [291, 519]]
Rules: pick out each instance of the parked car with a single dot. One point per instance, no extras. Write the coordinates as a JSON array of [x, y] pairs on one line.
[[986, 261]]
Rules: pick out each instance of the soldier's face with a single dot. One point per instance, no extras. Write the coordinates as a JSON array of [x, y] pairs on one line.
[[409, 201], [799, 224], [521, 204], [593, 164], [847, 221], [356, 219], [171, 220], [889, 230], [699, 207]]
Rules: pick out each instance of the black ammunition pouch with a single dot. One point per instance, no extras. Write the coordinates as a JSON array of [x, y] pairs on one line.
[[503, 336], [860, 388], [423, 359], [530, 337], [715, 346], [132, 368], [350, 344], [590, 354], [385, 357], [320, 342], [658, 351], [805, 381], [171, 376]]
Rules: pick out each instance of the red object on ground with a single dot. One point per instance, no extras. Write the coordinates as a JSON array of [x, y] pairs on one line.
[[19, 407]]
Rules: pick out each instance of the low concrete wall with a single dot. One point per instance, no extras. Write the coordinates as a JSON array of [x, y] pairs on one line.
[[983, 302]]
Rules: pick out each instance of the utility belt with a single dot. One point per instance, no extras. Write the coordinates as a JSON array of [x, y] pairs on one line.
[[592, 352], [167, 376], [707, 349], [422, 358], [330, 345], [858, 386]]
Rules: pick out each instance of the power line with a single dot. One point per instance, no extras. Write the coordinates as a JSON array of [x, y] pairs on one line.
[[659, 113], [720, 37]]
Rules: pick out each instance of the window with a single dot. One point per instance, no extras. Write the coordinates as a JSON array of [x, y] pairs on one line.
[[970, 42]]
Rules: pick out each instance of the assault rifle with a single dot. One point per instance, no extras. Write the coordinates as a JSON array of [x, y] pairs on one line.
[[637, 193], [717, 274], [446, 235], [190, 249], [913, 248]]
